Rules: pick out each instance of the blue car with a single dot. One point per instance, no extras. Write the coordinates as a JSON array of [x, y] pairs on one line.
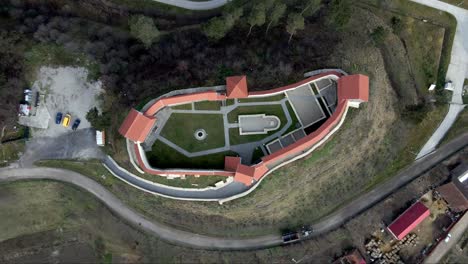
[[58, 118], [76, 124]]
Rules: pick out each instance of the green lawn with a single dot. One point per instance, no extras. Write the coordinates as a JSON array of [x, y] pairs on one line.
[[180, 129], [163, 156], [208, 105], [273, 98], [182, 107], [9, 152]]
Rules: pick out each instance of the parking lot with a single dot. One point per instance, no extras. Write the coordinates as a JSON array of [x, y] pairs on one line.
[[65, 90]]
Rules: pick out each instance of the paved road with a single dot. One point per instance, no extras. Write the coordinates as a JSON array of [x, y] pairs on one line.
[[443, 248], [194, 5], [457, 71], [199, 241]]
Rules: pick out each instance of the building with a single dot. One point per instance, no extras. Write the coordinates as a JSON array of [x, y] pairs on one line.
[[352, 90], [354, 257], [100, 138], [455, 193], [407, 221]]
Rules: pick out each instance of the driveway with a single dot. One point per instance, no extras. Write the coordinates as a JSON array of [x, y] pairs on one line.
[[457, 71]]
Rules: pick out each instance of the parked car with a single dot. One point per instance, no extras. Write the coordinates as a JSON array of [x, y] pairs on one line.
[[66, 120], [76, 124], [58, 118]]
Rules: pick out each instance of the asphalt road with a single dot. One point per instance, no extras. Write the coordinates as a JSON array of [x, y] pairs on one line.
[[195, 5], [200, 241], [457, 71]]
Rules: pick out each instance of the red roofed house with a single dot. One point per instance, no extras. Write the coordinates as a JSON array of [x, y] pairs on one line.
[[408, 220], [354, 88], [136, 126], [354, 257], [236, 87]]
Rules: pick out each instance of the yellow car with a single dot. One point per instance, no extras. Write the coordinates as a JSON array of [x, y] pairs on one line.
[[66, 120]]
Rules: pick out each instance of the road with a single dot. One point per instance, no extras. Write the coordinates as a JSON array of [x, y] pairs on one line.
[[457, 71], [443, 248], [195, 5], [172, 235]]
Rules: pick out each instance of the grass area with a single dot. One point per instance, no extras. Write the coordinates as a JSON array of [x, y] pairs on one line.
[[459, 127], [273, 98], [98, 172], [207, 105], [10, 152], [180, 129], [465, 92], [229, 102], [182, 107], [38, 55], [416, 138], [163, 156]]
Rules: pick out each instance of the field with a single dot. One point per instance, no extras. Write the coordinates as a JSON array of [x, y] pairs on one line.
[[184, 138], [10, 152]]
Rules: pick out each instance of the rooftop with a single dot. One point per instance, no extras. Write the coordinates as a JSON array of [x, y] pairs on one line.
[[408, 220], [136, 126]]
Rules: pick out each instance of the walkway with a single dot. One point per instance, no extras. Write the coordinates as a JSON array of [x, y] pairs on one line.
[[457, 71], [172, 235]]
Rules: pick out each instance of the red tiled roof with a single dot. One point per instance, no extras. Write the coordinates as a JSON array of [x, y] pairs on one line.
[[136, 126], [236, 87], [408, 220], [354, 87], [231, 163], [454, 197], [244, 174]]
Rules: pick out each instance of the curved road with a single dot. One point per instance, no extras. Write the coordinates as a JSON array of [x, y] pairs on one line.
[[201, 241], [194, 5]]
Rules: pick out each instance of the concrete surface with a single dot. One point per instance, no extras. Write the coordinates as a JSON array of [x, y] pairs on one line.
[[443, 248], [457, 71], [66, 90]]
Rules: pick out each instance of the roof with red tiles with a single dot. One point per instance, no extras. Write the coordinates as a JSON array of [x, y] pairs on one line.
[[231, 163], [408, 220], [136, 126], [236, 87], [244, 174], [454, 197], [354, 87]]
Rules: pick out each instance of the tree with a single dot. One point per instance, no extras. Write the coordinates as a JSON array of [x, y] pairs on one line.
[[378, 35], [340, 13], [98, 121], [295, 22], [143, 28], [397, 25], [275, 14], [311, 7], [256, 16], [218, 27]]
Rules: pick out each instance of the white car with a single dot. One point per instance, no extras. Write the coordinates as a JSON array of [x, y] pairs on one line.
[[447, 238]]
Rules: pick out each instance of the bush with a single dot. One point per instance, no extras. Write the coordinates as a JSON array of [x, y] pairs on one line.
[[143, 28]]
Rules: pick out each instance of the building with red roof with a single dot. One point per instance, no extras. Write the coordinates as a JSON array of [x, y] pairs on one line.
[[354, 257], [136, 126], [236, 87], [407, 221], [351, 91]]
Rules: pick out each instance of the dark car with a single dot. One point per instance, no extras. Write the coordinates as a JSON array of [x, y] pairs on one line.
[[58, 118], [76, 124]]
